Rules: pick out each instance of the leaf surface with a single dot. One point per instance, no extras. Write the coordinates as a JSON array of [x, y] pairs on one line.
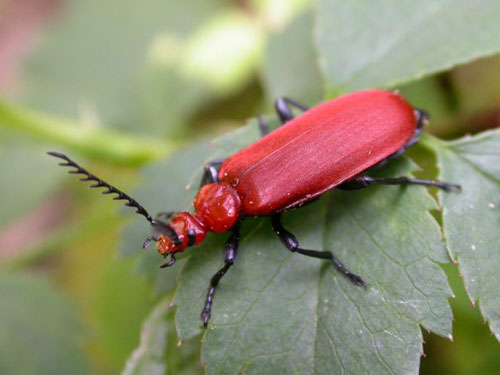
[[471, 219], [380, 43], [149, 357], [21, 164], [289, 70], [93, 60], [39, 330]]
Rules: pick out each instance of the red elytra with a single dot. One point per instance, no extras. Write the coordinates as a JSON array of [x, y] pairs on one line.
[[307, 156], [318, 150]]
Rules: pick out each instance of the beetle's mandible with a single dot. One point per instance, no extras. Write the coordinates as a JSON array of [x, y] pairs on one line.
[[332, 145]]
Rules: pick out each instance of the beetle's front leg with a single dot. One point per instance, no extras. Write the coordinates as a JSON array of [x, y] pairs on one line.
[[230, 252], [211, 172], [282, 106]]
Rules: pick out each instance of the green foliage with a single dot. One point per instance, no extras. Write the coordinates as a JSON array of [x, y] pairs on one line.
[[38, 329], [159, 352], [87, 139], [90, 81], [471, 219], [20, 166], [283, 59], [382, 43], [149, 357]]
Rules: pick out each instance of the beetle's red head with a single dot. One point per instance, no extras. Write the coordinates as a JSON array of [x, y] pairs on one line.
[[188, 230]]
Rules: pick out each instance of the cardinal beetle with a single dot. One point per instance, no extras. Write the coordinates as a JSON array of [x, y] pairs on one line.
[[329, 146]]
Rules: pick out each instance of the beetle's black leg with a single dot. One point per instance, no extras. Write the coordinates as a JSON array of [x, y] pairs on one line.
[[170, 263], [291, 243], [422, 119], [230, 252], [148, 241], [282, 106], [263, 126], [362, 182], [211, 172]]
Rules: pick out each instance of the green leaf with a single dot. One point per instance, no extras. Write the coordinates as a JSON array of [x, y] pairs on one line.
[[159, 351], [39, 331], [291, 71], [224, 52], [22, 163], [149, 357], [471, 219], [217, 59], [279, 312], [92, 59], [381, 43]]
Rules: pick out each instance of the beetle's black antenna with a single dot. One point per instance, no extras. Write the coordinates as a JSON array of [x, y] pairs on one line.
[[161, 227]]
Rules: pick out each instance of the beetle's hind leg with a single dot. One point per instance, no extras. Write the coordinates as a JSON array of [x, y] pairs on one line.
[[362, 182], [230, 252], [283, 108], [291, 243]]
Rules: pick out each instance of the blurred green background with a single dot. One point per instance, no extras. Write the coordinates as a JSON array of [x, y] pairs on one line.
[[119, 84]]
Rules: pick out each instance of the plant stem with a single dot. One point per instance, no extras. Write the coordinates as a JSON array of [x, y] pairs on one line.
[[91, 141]]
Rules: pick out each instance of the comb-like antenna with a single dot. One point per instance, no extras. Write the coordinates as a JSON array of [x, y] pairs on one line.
[[130, 202], [100, 183]]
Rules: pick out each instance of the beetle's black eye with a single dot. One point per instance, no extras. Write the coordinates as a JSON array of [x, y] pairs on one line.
[[191, 237]]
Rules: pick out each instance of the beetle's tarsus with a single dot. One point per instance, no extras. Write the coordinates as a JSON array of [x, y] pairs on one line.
[[148, 240], [450, 187], [205, 316], [170, 263], [357, 280]]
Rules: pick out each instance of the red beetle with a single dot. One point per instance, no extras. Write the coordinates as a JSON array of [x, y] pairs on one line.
[[329, 146]]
